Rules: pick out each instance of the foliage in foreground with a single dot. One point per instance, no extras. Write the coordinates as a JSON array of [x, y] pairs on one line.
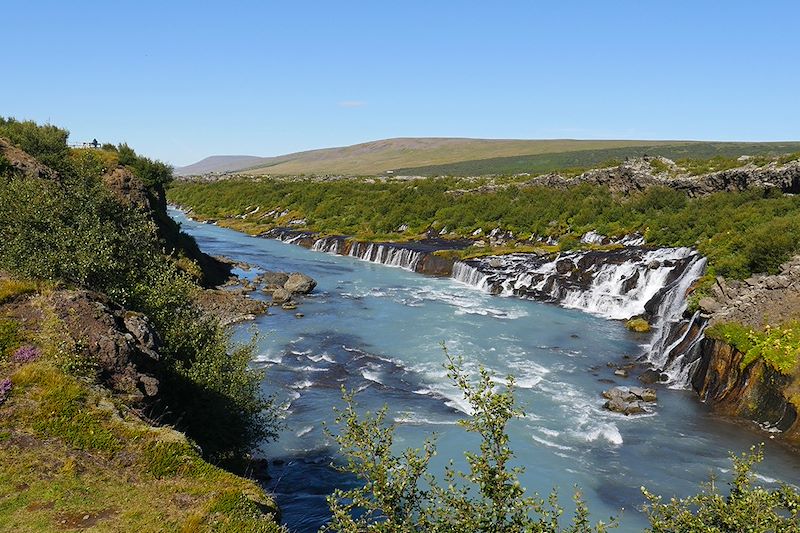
[[76, 232], [746, 508], [401, 495]]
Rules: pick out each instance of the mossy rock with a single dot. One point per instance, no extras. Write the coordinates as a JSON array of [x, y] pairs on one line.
[[639, 325]]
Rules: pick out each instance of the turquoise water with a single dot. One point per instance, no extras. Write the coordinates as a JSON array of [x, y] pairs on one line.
[[378, 329]]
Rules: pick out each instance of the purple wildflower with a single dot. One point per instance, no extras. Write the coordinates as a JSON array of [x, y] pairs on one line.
[[27, 354], [5, 389]]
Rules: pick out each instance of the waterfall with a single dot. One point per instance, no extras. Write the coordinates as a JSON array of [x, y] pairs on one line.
[[620, 291], [614, 284], [328, 245], [470, 275], [384, 254], [669, 315]]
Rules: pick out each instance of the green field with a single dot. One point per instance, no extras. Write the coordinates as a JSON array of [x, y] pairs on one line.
[[551, 162]]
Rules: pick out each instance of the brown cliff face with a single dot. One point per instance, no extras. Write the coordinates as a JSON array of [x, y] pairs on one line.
[[23, 163], [131, 191], [756, 392]]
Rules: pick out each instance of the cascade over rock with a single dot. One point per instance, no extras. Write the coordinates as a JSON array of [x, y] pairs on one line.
[[621, 283]]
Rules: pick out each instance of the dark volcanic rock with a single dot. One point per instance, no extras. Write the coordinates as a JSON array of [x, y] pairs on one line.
[[564, 266], [124, 345], [273, 280], [433, 265], [650, 376], [756, 392]]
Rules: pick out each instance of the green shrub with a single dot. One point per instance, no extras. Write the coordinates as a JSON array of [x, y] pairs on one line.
[[658, 166], [746, 507], [152, 173], [77, 232], [46, 143], [401, 495], [740, 233], [695, 167]]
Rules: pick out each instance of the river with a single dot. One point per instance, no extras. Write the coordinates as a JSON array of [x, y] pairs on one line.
[[378, 329]]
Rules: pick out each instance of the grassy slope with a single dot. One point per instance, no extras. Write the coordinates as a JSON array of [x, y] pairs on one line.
[[549, 162], [68, 460], [392, 154], [469, 157]]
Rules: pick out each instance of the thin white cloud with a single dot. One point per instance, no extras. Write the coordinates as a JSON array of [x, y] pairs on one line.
[[352, 104]]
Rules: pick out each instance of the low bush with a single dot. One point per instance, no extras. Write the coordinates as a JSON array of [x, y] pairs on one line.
[[401, 495], [746, 506]]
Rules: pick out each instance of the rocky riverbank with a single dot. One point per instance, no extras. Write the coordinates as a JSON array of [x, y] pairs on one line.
[[754, 390], [639, 174]]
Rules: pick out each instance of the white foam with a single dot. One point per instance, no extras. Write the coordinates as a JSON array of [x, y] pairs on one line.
[[609, 433], [322, 357], [417, 420], [550, 444], [371, 375], [268, 358], [304, 431]]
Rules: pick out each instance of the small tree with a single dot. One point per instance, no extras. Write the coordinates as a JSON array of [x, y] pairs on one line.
[[400, 495], [746, 508]]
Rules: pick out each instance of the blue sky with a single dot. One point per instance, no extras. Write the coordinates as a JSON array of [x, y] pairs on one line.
[[183, 80]]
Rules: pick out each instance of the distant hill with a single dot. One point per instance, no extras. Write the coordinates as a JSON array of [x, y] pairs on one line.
[[219, 163], [551, 162], [440, 156]]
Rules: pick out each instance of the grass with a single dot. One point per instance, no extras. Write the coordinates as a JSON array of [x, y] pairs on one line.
[[777, 346], [10, 337], [70, 458], [10, 289], [400, 155]]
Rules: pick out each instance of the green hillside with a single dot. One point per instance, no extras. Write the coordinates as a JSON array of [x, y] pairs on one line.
[[378, 157], [550, 162]]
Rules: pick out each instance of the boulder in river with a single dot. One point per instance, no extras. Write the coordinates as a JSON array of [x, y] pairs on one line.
[[299, 283], [280, 296], [274, 280], [650, 376], [628, 401]]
